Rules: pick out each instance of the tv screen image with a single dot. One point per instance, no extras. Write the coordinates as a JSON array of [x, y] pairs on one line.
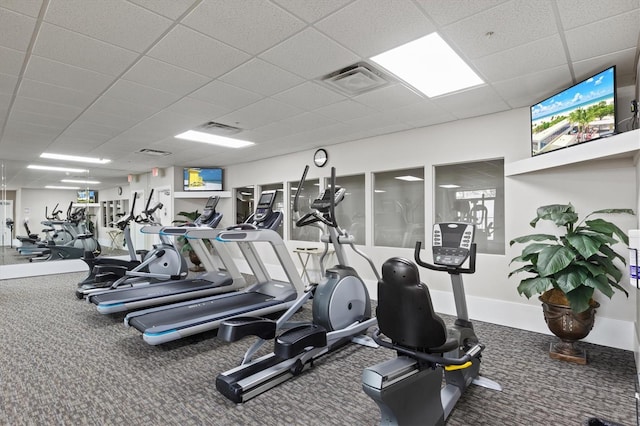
[[202, 179], [581, 113], [86, 196]]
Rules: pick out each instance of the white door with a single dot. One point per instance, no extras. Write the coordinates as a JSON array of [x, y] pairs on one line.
[[6, 212]]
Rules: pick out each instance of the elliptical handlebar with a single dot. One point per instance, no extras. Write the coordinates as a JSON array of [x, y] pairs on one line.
[[450, 269]]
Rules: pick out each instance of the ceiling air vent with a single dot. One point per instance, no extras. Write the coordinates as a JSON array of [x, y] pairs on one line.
[[153, 152], [218, 129], [357, 79]]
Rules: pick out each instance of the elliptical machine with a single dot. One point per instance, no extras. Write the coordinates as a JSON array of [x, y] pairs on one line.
[[341, 313], [408, 389]]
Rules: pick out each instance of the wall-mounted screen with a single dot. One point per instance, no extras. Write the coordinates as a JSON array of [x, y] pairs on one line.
[[581, 113], [87, 196], [202, 179]]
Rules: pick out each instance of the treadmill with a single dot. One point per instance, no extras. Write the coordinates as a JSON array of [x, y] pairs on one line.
[[167, 323], [217, 279]]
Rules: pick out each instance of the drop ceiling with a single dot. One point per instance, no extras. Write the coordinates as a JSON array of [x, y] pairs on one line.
[[109, 78]]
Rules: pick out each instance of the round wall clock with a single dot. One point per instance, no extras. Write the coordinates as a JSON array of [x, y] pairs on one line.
[[320, 158]]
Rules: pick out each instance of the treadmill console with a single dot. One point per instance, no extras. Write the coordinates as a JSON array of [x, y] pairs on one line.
[[452, 243], [323, 204], [265, 206], [209, 213]]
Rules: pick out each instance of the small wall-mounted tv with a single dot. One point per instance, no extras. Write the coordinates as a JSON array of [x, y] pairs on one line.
[[581, 113], [202, 179], [87, 196]]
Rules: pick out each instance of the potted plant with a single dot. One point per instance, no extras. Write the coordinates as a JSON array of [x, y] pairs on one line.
[[566, 270], [183, 243]]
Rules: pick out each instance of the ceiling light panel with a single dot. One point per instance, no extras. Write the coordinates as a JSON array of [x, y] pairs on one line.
[[195, 136], [429, 65], [56, 169], [64, 157]]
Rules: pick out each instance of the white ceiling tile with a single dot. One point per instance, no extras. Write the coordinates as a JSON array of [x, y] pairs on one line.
[[57, 94], [35, 128], [163, 76], [167, 123], [422, 114], [249, 25], [8, 83], [447, 12], [139, 94], [225, 95], [196, 109], [113, 106], [389, 97], [117, 21], [39, 119], [172, 9], [309, 96], [38, 106], [345, 110], [525, 59], [59, 74], [305, 122], [15, 30], [191, 50], [470, 103], [91, 132], [259, 114], [529, 89], [369, 27], [595, 10], [310, 54], [604, 37], [512, 23], [117, 123], [81, 51], [26, 7], [17, 132], [311, 11], [11, 61], [624, 61], [261, 77]]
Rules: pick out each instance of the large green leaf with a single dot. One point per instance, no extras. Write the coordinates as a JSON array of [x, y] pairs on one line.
[[533, 237], [531, 286], [534, 248], [585, 245], [571, 278], [607, 265], [560, 214], [608, 228], [594, 270], [579, 298], [554, 259], [611, 254], [525, 268], [600, 283]]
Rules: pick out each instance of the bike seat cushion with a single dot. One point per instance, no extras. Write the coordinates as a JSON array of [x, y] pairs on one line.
[[405, 311]]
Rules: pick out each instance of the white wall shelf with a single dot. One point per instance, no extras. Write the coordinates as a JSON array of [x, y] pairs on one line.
[[203, 194], [622, 145]]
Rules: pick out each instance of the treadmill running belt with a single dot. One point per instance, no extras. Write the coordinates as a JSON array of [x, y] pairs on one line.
[[157, 290], [200, 312]]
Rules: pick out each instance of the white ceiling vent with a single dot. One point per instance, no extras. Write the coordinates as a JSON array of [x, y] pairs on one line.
[[357, 79], [218, 129], [153, 152]]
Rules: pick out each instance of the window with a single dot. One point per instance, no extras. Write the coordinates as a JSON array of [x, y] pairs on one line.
[[310, 192], [244, 203], [398, 208], [278, 204], [350, 212], [473, 193]]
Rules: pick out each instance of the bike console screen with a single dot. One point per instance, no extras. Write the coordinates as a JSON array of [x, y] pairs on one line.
[[452, 243]]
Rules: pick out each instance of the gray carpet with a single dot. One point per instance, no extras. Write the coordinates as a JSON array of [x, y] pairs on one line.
[[62, 363]]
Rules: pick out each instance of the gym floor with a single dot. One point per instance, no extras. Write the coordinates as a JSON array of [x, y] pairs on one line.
[[63, 363]]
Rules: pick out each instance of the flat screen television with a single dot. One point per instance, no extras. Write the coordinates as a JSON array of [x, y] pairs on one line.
[[202, 179], [581, 113], [86, 196]]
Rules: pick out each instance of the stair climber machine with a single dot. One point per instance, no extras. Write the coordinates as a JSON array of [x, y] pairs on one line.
[[220, 277], [58, 248], [341, 314], [266, 296], [162, 263], [408, 389]]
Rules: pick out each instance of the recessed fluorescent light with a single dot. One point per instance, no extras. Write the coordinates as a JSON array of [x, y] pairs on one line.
[[192, 135], [61, 187], [409, 178], [429, 65], [88, 182], [449, 186], [74, 158], [379, 191], [57, 169]]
